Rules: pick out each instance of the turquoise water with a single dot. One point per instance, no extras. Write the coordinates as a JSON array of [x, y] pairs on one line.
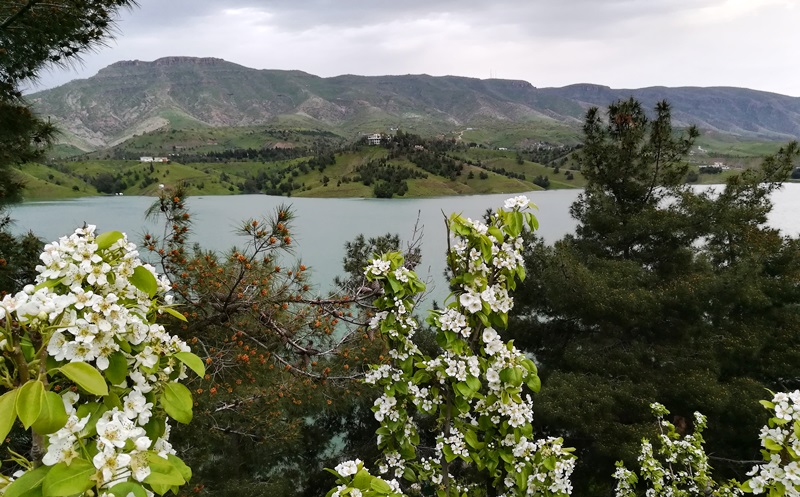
[[322, 226]]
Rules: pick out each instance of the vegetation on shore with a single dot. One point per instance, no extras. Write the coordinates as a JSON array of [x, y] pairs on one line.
[[319, 163]]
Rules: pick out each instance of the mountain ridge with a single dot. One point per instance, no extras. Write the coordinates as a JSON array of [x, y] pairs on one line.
[[132, 97]]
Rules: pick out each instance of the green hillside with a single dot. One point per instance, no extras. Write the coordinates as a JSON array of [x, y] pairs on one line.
[[212, 162]]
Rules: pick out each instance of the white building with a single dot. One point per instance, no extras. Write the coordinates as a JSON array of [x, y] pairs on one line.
[[374, 139]]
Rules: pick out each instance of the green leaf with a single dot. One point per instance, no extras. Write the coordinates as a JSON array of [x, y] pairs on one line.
[[771, 445], [49, 283], [107, 239], [532, 221], [53, 416], [183, 469], [156, 427], [495, 232], [63, 480], [94, 410], [112, 400], [512, 376], [27, 347], [177, 401], [172, 312], [87, 377], [144, 280], [8, 413], [472, 439], [160, 488], [29, 402], [128, 487], [448, 454], [396, 285], [461, 404], [162, 471], [534, 383], [474, 383], [117, 370], [362, 479], [463, 389], [27, 482], [777, 490], [192, 362], [380, 486]]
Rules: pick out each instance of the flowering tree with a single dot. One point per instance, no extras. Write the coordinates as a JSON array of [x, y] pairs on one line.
[[780, 473], [86, 368], [475, 392], [682, 470], [680, 467]]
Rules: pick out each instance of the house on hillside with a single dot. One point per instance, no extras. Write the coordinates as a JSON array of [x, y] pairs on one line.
[[165, 160], [374, 139]]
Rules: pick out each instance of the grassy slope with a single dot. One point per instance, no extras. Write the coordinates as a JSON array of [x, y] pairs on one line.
[[187, 136]]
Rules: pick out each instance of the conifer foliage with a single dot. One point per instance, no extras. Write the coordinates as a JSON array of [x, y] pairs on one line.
[[665, 293], [33, 34]]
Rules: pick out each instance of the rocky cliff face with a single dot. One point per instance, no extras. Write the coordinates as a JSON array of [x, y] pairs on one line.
[[130, 97]]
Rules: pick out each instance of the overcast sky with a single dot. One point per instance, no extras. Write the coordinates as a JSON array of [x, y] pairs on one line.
[[619, 43]]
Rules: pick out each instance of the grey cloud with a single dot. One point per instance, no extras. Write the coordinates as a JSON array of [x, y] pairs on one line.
[[532, 18]]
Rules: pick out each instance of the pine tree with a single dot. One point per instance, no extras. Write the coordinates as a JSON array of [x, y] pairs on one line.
[[664, 293], [33, 34]]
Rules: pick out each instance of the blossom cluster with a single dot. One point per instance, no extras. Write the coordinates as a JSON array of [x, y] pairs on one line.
[[679, 467], [475, 386], [356, 481], [781, 448], [95, 303]]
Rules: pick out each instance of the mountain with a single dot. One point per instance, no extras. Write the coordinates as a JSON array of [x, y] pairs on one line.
[[736, 111], [133, 97]]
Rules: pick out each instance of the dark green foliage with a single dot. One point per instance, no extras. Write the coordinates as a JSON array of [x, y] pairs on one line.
[[34, 33], [542, 181], [509, 174], [234, 154], [109, 183], [382, 170], [19, 256], [663, 294], [710, 169], [388, 189], [548, 153], [429, 155], [23, 138]]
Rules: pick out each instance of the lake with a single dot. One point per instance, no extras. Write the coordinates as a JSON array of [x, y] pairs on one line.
[[322, 226]]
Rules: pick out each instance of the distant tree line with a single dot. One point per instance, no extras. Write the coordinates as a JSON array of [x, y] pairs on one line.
[[548, 154], [388, 179]]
